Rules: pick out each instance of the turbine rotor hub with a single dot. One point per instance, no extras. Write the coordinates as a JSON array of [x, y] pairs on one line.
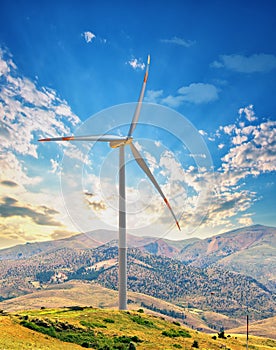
[[115, 144]]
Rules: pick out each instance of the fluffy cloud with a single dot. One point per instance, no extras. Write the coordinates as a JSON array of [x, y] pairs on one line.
[[239, 139], [178, 41], [55, 166], [249, 150], [88, 36], [4, 68], [28, 112], [256, 154], [245, 221], [13, 169], [202, 132], [247, 64], [136, 63], [153, 96], [196, 93], [43, 215], [248, 112], [199, 93]]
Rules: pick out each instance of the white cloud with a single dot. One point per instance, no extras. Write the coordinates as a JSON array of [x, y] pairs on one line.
[[247, 130], [136, 63], [88, 36], [237, 140], [172, 101], [199, 93], [153, 96], [250, 151], [254, 148], [178, 41], [248, 112], [12, 169], [27, 113], [196, 93], [245, 221], [55, 166], [247, 64], [4, 68], [228, 129], [157, 143], [172, 166], [202, 132]]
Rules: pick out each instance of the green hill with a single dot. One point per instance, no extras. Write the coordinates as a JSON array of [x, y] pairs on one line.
[[85, 293], [108, 329]]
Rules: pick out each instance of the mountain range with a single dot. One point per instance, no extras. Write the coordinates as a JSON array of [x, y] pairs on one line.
[[230, 273], [250, 250]]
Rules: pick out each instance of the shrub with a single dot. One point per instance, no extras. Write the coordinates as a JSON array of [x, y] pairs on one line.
[[108, 320], [76, 308], [92, 324], [143, 321], [176, 323], [140, 310], [136, 339], [221, 335], [173, 333], [195, 344], [214, 337]]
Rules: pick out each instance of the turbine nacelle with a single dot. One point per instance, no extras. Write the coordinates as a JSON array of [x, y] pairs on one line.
[[119, 143]]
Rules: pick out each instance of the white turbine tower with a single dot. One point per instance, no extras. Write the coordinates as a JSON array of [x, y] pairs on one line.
[[120, 142]]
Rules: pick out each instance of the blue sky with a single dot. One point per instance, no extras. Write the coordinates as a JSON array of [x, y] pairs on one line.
[[64, 63]]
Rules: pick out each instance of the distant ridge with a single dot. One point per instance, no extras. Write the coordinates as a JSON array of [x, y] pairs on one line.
[[87, 240], [248, 250], [90, 240]]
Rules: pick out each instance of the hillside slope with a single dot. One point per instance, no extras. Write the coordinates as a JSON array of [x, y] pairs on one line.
[[250, 251], [110, 329], [85, 293], [264, 328], [15, 337], [208, 289]]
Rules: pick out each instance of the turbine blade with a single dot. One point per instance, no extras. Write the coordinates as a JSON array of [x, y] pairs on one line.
[[146, 169], [102, 138], [139, 103]]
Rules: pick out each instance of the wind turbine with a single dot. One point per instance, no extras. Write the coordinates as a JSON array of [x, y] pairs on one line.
[[120, 142]]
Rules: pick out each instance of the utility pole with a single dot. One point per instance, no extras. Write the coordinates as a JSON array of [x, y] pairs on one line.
[[247, 326]]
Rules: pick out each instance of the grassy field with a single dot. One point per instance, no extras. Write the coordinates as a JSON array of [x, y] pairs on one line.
[[14, 337], [108, 329], [89, 293]]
